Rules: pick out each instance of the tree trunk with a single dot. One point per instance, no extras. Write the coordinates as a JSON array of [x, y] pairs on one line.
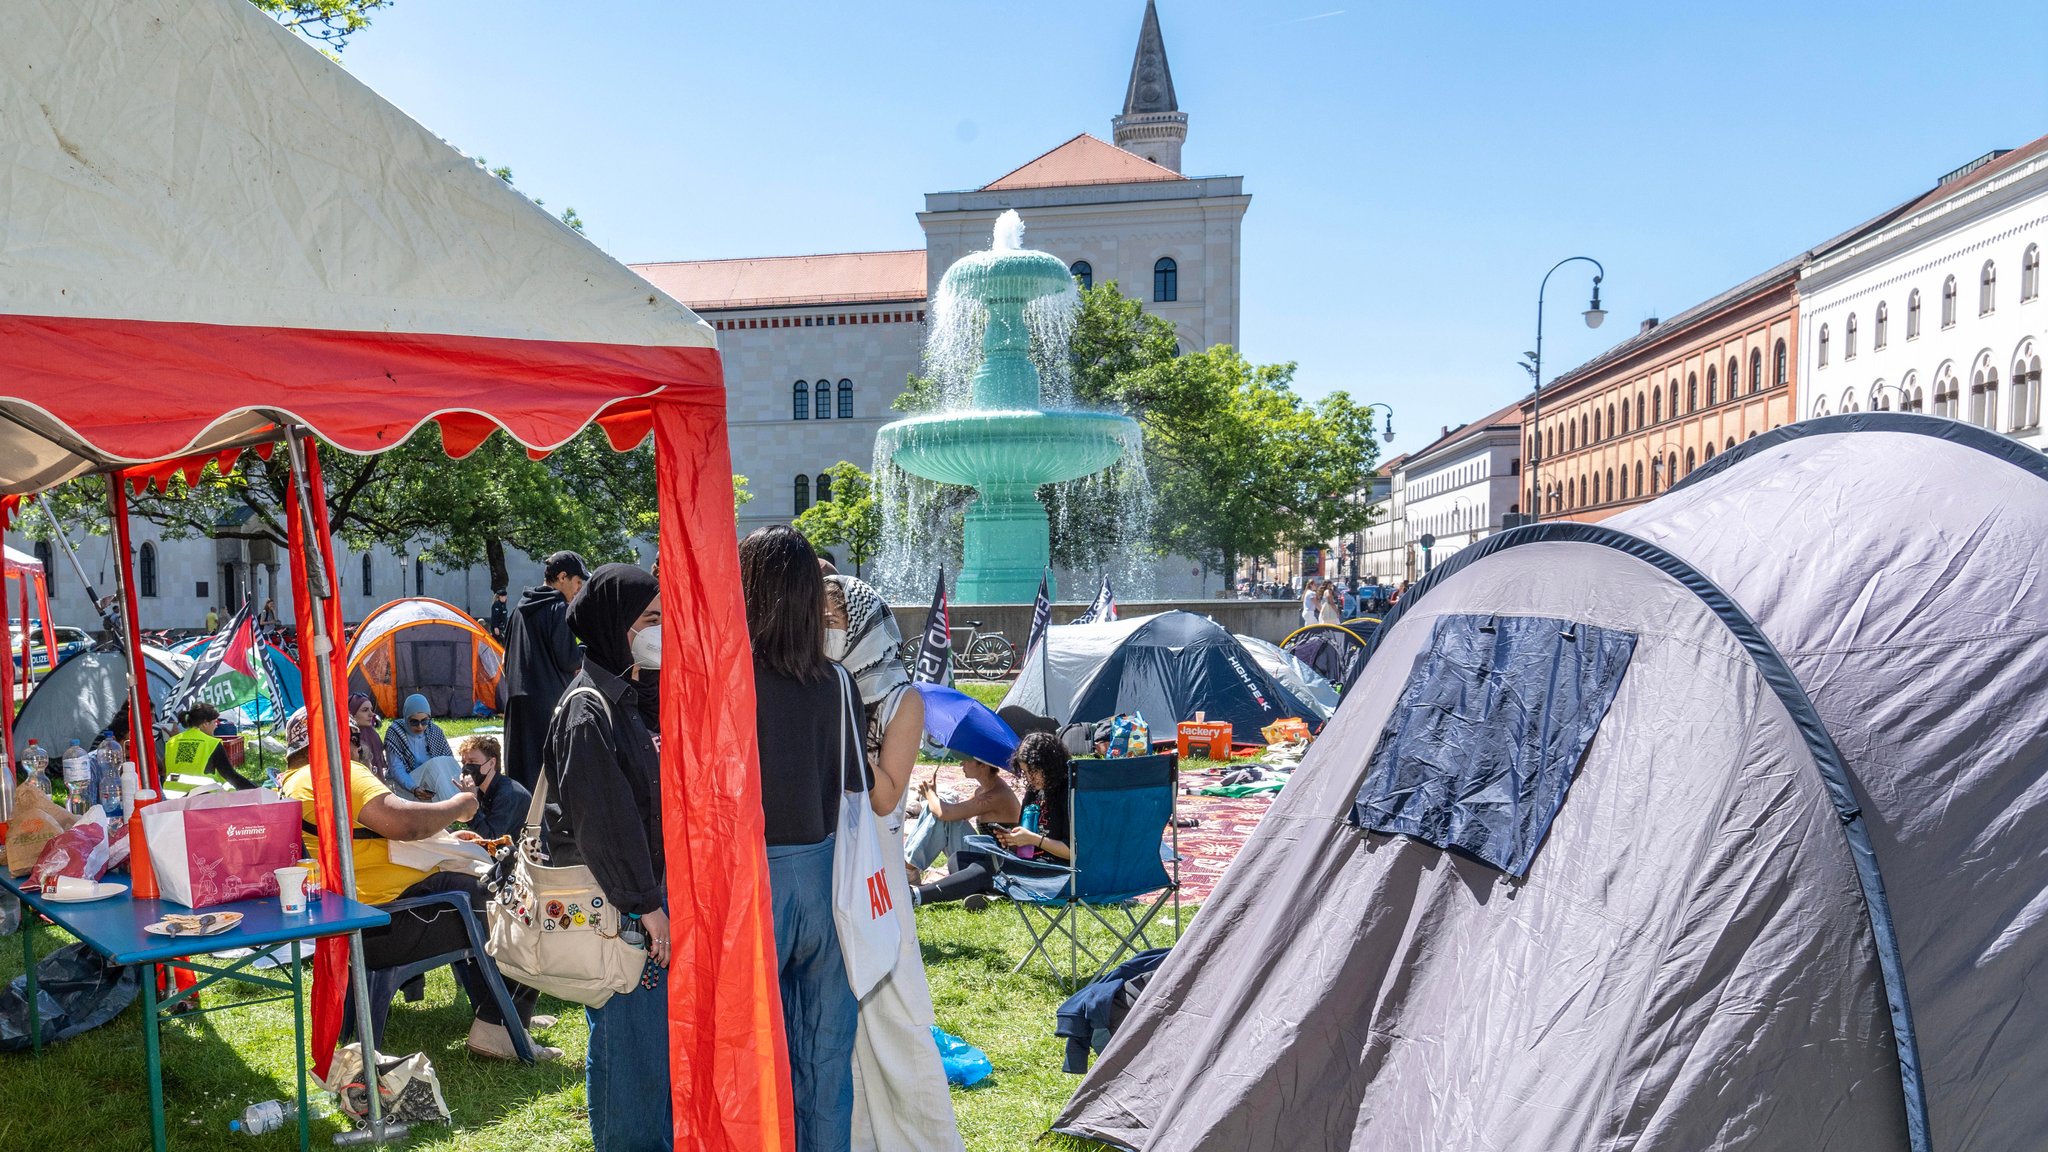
[[494, 554], [1230, 571]]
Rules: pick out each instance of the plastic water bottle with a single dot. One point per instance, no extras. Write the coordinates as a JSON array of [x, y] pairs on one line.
[[77, 779], [36, 764], [273, 1115], [1029, 823], [106, 779]]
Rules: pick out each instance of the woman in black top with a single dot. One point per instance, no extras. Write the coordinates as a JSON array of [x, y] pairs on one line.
[[602, 770], [802, 707], [1047, 769]]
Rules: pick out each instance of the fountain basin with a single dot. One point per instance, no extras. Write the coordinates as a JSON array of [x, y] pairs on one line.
[[1007, 449]]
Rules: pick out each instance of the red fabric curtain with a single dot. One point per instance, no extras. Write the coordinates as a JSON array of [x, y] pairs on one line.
[[330, 955], [728, 1059]]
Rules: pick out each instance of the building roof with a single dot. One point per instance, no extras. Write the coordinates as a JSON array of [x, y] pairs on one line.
[[1977, 172], [1508, 417], [768, 281], [1083, 160], [1151, 88]]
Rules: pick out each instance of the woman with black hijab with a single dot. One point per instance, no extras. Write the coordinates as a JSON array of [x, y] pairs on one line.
[[804, 708], [602, 770]]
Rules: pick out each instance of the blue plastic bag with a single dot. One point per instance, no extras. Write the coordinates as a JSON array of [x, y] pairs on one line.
[[965, 1064]]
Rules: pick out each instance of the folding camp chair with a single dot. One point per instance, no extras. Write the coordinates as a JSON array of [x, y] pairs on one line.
[[1119, 812], [388, 983]]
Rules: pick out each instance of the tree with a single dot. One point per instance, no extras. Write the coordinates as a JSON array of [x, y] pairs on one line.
[[740, 495], [326, 22], [851, 519]]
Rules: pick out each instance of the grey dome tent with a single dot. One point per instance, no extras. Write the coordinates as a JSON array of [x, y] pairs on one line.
[[1307, 684], [1168, 667], [1719, 824], [81, 696]]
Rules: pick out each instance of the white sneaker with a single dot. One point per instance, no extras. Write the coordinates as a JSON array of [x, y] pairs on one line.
[[492, 1042]]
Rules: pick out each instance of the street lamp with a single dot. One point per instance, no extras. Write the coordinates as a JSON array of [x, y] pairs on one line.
[[1594, 315], [1387, 435]]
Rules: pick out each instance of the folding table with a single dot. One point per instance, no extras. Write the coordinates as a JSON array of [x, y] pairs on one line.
[[114, 928]]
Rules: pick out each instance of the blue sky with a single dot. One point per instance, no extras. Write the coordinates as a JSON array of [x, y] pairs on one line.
[[1415, 168]]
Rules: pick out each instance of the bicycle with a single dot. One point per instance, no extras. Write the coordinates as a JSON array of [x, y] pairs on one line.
[[987, 655]]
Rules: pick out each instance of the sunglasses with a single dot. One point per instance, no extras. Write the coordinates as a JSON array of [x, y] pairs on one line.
[[422, 722]]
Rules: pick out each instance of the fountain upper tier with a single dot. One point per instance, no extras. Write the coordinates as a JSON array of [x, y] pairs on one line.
[[1006, 282], [1018, 447]]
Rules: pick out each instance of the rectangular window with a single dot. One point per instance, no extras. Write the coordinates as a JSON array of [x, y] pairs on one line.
[[1491, 727]]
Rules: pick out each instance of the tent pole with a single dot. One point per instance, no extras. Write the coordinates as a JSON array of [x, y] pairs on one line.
[[108, 619], [7, 669], [141, 732], [28, 677], [319, 589]]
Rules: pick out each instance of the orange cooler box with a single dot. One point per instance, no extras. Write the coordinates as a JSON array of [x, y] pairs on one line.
[[1210, 738]]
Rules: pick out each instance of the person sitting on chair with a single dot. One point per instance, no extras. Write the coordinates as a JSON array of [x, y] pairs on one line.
[[417, 753], [501, 801], [379, 816], [942, 826], [196, 751], [1046, 767]]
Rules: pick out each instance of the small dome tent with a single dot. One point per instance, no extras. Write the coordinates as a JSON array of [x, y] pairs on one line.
[[1629, 828], [80, 697], [1335, 651], [1308, 685], [424, 645], [1167, 667]]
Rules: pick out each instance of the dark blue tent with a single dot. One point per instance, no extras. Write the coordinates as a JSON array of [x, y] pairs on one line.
[[1177, 664]]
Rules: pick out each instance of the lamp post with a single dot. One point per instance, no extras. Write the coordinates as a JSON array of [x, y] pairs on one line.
[[1594, 314]]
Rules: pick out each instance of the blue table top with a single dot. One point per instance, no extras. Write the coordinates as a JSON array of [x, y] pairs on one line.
[[113, 927]]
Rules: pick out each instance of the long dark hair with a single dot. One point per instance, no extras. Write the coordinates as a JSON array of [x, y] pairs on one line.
[[1044, 752], [785, 595]]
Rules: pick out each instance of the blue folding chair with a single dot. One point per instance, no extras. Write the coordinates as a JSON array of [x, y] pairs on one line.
[[1121, 811], [386, 983]]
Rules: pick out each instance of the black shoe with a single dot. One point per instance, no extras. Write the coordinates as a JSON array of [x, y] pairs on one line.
[[976, 903]]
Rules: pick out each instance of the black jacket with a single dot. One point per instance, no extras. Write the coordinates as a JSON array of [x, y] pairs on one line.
[[501, 808], [604, 792], [541, 655]]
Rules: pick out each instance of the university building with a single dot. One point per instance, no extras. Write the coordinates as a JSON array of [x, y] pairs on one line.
[[818, 347]]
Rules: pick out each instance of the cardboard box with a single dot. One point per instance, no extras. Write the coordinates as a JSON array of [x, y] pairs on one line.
[[1207, 738]]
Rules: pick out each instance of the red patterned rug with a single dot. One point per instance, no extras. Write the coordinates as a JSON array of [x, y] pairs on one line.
[[1222, 825]]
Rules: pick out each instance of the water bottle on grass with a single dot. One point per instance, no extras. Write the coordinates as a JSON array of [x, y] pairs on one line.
[[274, 1115]]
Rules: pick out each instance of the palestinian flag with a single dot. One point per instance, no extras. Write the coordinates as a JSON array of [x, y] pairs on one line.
[[228, 673]]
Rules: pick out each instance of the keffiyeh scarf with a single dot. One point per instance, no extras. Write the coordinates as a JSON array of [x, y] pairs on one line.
[[873, 647]]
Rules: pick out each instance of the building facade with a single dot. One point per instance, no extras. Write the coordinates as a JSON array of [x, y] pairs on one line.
[[1459, 490], [1939, 310], [1623, 427]]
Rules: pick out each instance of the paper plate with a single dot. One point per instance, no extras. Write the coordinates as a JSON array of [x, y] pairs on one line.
[[100, 892], [222, 922]]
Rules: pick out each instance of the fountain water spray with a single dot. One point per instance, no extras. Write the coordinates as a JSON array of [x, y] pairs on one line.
[[1000, 353]]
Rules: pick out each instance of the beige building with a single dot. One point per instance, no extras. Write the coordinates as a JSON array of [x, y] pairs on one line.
[[818, 347]]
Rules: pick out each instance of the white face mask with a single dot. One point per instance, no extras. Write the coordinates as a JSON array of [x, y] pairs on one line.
[[835, 644], [646, 647]]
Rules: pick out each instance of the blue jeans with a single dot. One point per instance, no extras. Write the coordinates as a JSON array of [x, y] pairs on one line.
[[625, 1075], [819, 1012]]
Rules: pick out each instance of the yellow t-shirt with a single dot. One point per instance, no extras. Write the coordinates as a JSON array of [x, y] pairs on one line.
[[378, 880]]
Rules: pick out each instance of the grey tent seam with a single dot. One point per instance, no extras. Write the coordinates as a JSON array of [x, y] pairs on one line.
[[1779, 677]]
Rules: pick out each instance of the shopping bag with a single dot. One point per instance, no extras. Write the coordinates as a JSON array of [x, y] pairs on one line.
[[218, 847], [37, 821], [870, 935]]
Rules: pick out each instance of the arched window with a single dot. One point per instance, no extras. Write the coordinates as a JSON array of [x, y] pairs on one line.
[[1083, 273], [1756, 371], [1947, 394], [47, 557], [2026, 388], [1881, 333], [1880, 398], [1712, 391], [1913, 314], [1612, 428], [846, 399], [1639, 409], [803, 495], [824, 487], [1609, 492], [801, 393], [1689, 462], [1823, 361], [1639, 478], [1734, 378], [145, 568], [1912, 398], [1710, 450], [1849, 338], [1596, 426], [1948, 302], [1731, 443], [1657, 405], [368, 584], [1692, 391], [2030, 273], [1984, 395], [822, 409], [1165, 280], [1781, 370], [1849, 402], [1987, 289], [419, 574]]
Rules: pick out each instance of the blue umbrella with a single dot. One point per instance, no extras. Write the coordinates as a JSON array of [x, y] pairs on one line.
[[965, 725]]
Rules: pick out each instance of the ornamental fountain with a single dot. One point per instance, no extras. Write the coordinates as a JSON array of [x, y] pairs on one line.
[[1002, 321]]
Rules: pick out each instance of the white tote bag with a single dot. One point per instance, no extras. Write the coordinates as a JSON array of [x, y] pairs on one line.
[[862, 905]]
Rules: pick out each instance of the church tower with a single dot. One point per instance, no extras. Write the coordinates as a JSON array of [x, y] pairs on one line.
[[1152, 124]]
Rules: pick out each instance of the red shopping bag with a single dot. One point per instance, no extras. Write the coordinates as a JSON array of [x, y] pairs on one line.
[[219, 847]]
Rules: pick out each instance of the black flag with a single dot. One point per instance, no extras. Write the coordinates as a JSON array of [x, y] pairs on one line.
[[1041, 612], [1103, 609], [935, 651]]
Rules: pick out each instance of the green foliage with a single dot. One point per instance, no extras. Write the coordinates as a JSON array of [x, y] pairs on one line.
[[326, 22], [851, 519], [570, 218], [740, 495], [920, 394]]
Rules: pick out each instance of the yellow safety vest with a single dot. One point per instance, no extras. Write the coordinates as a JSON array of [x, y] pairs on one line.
[[190, 752]]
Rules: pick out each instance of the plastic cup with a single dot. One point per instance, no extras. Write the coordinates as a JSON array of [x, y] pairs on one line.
[[75, 888], [291, 889]]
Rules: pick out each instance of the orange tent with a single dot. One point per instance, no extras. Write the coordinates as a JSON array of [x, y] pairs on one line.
[[420, 644]]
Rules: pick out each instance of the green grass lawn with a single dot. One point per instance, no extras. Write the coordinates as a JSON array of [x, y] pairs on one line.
[[90, 1092]]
